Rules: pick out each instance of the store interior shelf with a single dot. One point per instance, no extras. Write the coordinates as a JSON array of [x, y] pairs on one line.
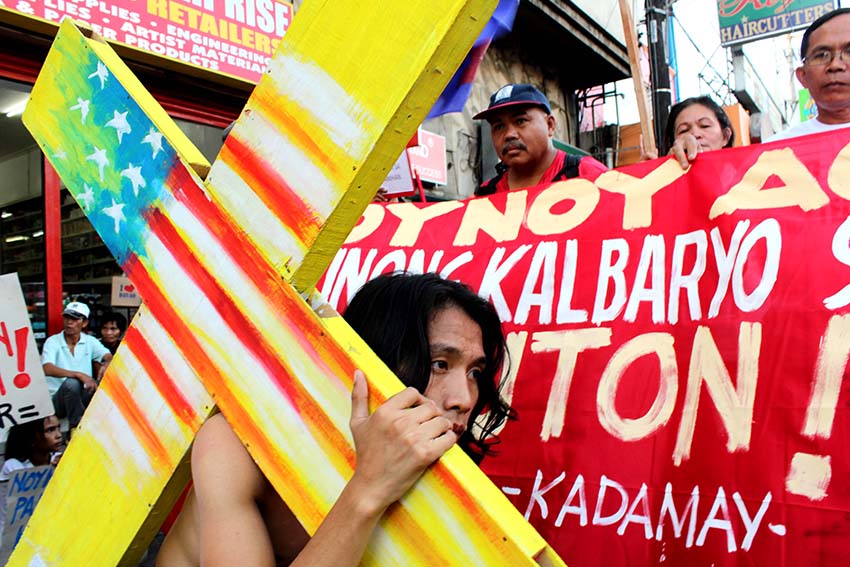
[[24, 260], [99, 281], [8, 246], [97, 246], [87, 264], [28, 232], [70, 219]]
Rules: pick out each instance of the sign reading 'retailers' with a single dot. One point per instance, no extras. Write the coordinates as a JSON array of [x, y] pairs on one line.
[[235, 37], [748, 20]]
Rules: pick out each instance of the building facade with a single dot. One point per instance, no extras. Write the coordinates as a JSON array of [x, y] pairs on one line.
[[199, 59], [561, 47]]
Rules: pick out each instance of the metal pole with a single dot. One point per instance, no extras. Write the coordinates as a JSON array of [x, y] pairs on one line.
[[647, 132], [657, 13]]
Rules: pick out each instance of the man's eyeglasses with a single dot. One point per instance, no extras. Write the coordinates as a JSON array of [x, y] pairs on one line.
[[826, 56]]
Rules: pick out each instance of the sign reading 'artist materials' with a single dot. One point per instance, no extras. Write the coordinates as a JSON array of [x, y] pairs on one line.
[[742, 21], [23, 388], [233, 37], [679, 346]]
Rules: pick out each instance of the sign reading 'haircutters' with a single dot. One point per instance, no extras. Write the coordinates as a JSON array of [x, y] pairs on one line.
[[679, 345], [742, 21], [233, 37]]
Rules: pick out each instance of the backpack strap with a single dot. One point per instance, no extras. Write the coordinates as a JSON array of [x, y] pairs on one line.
[[570, 169], [489, 187]]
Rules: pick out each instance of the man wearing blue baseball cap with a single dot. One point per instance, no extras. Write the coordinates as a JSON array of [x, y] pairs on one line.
[[522, 128], [68, 358]]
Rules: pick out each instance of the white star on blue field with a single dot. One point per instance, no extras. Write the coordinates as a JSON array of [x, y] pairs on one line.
[[118, 175]]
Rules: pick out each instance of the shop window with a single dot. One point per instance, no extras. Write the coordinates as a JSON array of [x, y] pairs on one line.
[[208, 139], [21, 204], [88, 267]]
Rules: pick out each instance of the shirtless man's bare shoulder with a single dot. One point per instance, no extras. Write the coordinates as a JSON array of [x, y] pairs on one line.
[[248, 509], [453, 353]]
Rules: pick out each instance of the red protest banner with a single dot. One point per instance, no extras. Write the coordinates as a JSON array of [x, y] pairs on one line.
[[679, 343]]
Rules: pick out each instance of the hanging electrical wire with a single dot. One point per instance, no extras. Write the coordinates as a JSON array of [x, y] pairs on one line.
[[724, 90]]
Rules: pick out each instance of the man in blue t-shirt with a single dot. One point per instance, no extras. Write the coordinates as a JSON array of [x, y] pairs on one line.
[[68, 359]]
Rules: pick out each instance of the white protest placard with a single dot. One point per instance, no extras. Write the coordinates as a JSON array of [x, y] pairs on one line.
[[124, 293], [25, 488], [399, 181], [428, 158], [23, 388]]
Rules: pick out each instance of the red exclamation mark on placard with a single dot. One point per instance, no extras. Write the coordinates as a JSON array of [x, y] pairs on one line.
[[4, 339], [810, 474], [22, 378]]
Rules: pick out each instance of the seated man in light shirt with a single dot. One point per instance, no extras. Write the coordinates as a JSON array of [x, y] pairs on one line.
[[68, 359]]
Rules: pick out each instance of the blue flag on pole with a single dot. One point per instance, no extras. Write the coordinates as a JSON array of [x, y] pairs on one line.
[[457, 91]]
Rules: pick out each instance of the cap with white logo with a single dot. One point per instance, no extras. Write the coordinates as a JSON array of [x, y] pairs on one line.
[[77, 310], [515, 95]]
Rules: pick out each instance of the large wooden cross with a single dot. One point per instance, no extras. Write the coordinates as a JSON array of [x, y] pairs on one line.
[[226, 263]]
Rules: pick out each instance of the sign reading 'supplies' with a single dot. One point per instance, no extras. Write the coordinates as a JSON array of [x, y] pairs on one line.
[[233, 37]]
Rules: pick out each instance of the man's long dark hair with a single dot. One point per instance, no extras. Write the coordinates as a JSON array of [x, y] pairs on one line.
[[392, 312]]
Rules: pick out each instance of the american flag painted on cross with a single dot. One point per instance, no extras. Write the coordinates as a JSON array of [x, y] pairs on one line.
[[210, 259]]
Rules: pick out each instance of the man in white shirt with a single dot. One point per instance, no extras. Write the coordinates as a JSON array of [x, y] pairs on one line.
[[68, 359], [825, 50]]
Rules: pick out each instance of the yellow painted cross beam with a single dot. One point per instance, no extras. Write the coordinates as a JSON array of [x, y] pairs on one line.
[[347, 89]]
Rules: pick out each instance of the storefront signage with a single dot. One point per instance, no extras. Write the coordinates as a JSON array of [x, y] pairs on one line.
[[428, 159], [742, 21], [233, 37], [23, 388]]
